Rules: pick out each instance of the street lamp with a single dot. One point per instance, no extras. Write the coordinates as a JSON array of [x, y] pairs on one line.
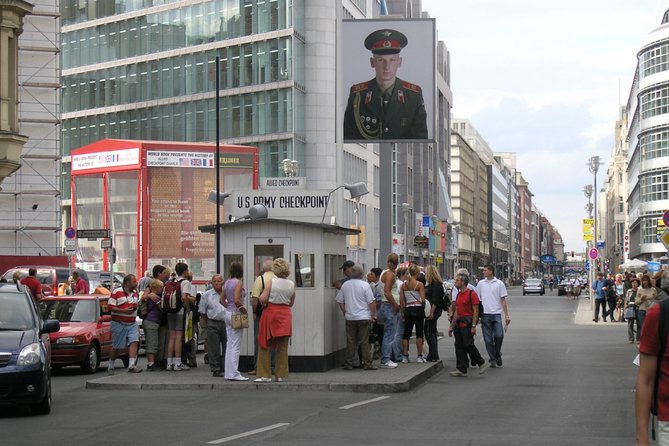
[[405, 211], [593, 164], [217, 197], [356, 190]]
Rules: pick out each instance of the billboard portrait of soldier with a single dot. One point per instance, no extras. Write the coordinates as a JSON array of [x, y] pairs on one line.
[[388, 107]]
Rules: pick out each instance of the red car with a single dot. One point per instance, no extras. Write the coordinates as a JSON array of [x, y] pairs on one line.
[[85, 336]]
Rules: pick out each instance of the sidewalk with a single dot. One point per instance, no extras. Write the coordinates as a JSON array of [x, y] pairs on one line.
[[584, 315], [402, 379]]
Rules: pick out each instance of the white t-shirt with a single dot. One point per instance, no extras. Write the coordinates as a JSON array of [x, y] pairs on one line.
[[491, 292], [186, 288], [356, 295], [282, 291]]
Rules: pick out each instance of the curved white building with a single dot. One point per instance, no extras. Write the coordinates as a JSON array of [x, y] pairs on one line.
[[648, 139]]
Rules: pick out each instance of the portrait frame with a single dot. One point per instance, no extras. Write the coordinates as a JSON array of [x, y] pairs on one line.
[[418, 65]]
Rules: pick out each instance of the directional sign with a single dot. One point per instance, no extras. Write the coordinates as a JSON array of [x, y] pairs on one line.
[[93, 233], [70, 232], [593, 253], [70, 250], [664, 238]]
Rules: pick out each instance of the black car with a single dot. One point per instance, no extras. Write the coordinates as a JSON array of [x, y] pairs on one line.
[[25, 351]]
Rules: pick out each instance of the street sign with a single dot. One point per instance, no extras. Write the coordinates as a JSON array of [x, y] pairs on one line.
[[593, 253], [665, 218], [653, 267], [70, 250], [69, 243], [70, 232], [105, 243], [93, 233], [587, 265], [601, 244], [664, 238]]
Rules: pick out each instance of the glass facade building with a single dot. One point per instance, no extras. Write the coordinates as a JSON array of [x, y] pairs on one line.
[[146, 70], [648, 151]]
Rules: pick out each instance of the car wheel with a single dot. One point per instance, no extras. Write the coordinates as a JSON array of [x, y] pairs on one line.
[[43, 407], [92, 361]]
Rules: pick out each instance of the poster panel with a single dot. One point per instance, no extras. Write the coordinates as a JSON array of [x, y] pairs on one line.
[[388, 77]]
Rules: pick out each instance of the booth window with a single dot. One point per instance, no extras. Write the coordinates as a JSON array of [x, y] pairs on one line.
[[227, 261], [332, 271], [304, 270]]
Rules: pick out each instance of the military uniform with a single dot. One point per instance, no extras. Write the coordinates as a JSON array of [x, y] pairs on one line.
[[404, 116], [399, 113]]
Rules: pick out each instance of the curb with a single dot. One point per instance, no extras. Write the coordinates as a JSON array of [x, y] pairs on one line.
[[357, 387]]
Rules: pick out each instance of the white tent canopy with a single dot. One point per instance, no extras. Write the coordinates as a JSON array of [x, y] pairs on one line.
[[634, 264]]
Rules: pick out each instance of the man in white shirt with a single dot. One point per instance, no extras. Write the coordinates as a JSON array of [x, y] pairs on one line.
[[492, 292], [212, 309], [356, 300]]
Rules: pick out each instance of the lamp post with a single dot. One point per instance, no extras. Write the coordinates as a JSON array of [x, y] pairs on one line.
[[217, 197], [405, 212], [356, 190], [593, 165]]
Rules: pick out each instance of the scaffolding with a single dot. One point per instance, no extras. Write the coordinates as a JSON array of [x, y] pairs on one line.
[[30, 214]]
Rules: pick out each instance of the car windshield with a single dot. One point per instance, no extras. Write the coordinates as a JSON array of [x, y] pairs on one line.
[[533, 282], [15, 312], [69, 310]]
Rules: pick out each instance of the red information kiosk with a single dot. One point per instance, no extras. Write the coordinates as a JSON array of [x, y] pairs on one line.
[[152, 196]]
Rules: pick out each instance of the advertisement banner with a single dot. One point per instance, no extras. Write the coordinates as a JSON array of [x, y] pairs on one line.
[[588, 229], [388, 79]]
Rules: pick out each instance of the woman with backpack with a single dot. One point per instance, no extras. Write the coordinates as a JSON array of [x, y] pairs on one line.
[[234, 295]]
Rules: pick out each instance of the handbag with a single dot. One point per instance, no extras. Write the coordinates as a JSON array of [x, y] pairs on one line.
[[629, 312], [239, 320]]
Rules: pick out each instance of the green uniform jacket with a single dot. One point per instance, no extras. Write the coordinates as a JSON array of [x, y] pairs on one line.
[[405, 116]]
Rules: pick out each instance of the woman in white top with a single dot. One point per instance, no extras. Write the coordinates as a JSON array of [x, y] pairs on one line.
[[412, 300], [275, 327]]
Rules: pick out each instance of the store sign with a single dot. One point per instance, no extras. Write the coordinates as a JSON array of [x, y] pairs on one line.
[[167, 158], [281, 183], [304, 205], [113, 158]]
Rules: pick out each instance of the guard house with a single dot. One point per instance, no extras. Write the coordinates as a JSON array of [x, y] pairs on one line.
[[315, 252]]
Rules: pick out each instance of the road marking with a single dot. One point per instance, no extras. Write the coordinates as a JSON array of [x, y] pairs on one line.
[[249, 433], [373, 400]]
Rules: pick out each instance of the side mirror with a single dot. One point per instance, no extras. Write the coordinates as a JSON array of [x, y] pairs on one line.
[[105, 318], [51, 326]]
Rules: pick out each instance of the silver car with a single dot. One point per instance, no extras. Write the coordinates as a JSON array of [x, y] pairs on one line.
[[533, 286]]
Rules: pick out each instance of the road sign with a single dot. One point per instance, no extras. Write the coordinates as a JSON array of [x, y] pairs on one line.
[[653, 267], [593, 253], [70, 250], [664, 238], [93, 233], [70, 243], [105, 243], [601, 244], [70, 232], [665, 218]]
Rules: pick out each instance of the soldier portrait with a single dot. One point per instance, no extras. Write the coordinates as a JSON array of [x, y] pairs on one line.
[[386, 107]]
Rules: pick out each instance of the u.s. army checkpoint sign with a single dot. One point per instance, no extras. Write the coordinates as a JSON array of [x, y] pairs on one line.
[[291, 204]]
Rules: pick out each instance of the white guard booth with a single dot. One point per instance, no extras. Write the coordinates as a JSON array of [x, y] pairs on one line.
[[315, 252]]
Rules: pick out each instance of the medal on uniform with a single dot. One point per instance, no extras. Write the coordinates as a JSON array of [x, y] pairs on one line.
[[400, 96]]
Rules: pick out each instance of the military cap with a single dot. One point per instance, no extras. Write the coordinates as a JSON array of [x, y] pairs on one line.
[[386, 41]]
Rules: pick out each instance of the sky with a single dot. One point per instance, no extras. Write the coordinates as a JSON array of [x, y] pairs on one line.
[[546, 80]]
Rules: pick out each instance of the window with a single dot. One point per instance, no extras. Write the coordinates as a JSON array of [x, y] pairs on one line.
[[654, 102], [654, 61], [655, 187], [332, 271], [304, 270], [654, 145]]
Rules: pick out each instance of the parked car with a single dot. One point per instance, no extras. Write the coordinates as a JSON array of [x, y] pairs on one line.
[[104, 278], [25, 351], [49, 276], [533, 286], [85, 336]]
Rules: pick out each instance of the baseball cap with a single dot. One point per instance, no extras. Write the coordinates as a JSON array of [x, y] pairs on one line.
[[347, 264]]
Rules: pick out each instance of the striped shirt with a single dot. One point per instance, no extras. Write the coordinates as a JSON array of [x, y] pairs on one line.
[[122, 300]]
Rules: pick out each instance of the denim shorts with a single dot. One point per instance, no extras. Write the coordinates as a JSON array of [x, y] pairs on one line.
[[123, 334]]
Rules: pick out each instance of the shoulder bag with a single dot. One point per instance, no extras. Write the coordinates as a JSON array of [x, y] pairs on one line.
[[239, 320]]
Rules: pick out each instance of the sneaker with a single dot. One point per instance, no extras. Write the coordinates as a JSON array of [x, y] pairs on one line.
[[499, 362], [492, 364], [252, 373], [238, 378], [371, 367], [420, 360], [110, 372], [134, 369], [485, 366], [153, 368], [280, 380], [405, 360], [457, 373], [389, 365], [180, 368], [263, 380]]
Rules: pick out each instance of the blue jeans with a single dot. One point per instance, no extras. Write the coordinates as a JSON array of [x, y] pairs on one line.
[[493, 335], [390, 320]]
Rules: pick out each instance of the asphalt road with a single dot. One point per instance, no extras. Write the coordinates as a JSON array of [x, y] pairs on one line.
[[561, 384]]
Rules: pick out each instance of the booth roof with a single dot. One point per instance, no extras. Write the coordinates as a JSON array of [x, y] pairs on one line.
[[333, 229]]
